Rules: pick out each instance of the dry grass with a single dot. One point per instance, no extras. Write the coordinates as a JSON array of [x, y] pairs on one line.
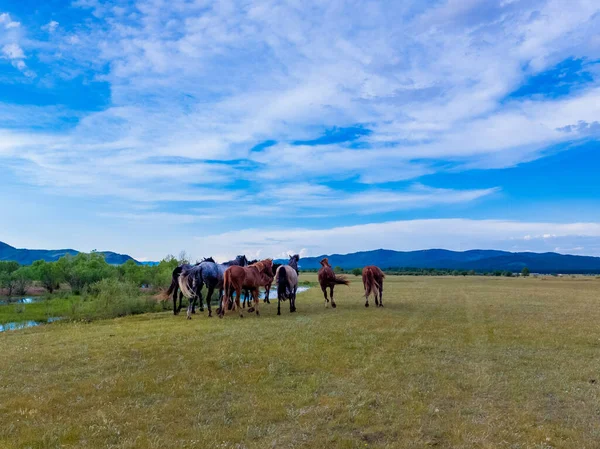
[[448, 363]]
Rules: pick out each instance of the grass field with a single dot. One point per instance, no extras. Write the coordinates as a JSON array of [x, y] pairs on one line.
[[448, 363]]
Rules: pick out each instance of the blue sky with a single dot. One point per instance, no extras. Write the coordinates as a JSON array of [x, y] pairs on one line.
[[269, 127]]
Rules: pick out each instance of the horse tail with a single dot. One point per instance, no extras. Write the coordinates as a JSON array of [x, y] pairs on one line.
[[174, 280], [282, 283], [227, 285], [185, 283], [340, 280], [367, 278]]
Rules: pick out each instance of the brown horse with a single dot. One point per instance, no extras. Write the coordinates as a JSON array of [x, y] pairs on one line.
[[327, 278], [372, 278], [252, 278]]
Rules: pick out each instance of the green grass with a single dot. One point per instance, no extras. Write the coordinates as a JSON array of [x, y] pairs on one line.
[[448, 363], [37, 311]]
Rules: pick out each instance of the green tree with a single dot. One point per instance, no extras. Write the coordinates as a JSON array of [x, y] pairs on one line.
[[525, 272], [357, 272], [85, 269], [48, 273], [338, 269]]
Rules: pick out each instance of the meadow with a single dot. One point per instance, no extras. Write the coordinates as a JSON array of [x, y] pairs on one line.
[[449, 362]]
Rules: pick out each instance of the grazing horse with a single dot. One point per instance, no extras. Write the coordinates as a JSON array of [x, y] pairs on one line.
[[287, 283], [174, 287], [327, 278], [372, 278], [206, 273], [239, 278]]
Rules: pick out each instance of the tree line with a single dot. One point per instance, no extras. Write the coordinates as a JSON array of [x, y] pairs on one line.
[[81, 271]]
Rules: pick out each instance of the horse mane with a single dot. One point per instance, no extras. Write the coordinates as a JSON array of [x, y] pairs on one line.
[[325, 262], [208, 259], [260, 266]]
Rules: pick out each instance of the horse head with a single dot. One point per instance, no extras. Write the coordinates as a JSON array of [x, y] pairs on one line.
[[294, 262], [241, 261], [325, 262], [267, 266]]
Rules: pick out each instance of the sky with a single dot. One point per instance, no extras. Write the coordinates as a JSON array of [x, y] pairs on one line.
[[272, 127]]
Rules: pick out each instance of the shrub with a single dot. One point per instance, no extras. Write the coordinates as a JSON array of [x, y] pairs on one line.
[[111, 298]]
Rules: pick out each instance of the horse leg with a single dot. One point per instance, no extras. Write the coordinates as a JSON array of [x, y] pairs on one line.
[[267, 293], [224, 301], [331, 294], [256, 300], [209, 294], [278, 305], [189, 310], [236, 303], [219, 300], [175, 310], [251, 305], [180, 301], [325, 295], [381, 294], [293, 301], [201, 302]]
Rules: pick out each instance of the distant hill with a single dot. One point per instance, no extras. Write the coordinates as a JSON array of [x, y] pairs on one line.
[[478, 260], [28, 256]]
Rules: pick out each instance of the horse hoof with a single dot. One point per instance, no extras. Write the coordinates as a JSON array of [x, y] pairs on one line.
[[189, 317], [257, 313], [333, 305], [366, 304], [251, 309], [278, 313]]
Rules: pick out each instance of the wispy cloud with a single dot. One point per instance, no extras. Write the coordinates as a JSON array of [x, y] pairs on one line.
[[356, 102], [454, 234]]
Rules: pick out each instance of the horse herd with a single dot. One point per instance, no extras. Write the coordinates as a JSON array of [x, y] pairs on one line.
[[240, 275]]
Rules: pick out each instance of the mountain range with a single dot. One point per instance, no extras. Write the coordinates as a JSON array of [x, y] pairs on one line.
[[478, 260], [28, 256]]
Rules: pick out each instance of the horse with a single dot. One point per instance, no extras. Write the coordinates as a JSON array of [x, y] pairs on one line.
[[238, 278], [372, 278], [267, 287], [174, 287], [206, 273], [327, 278], [246, 291], [287, 283]]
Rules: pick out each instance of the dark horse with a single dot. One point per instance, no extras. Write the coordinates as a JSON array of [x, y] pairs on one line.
[[174, 287], [372, 278], [206, 273], [287, 283], [327, 278], [239, 278]]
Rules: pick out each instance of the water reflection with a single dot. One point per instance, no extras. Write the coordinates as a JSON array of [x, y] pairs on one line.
[[25, 324]]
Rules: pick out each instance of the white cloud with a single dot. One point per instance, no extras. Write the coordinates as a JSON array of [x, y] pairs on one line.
[[453, 234], [195, 85], [13, 51], [7, 22], [51, 26]]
